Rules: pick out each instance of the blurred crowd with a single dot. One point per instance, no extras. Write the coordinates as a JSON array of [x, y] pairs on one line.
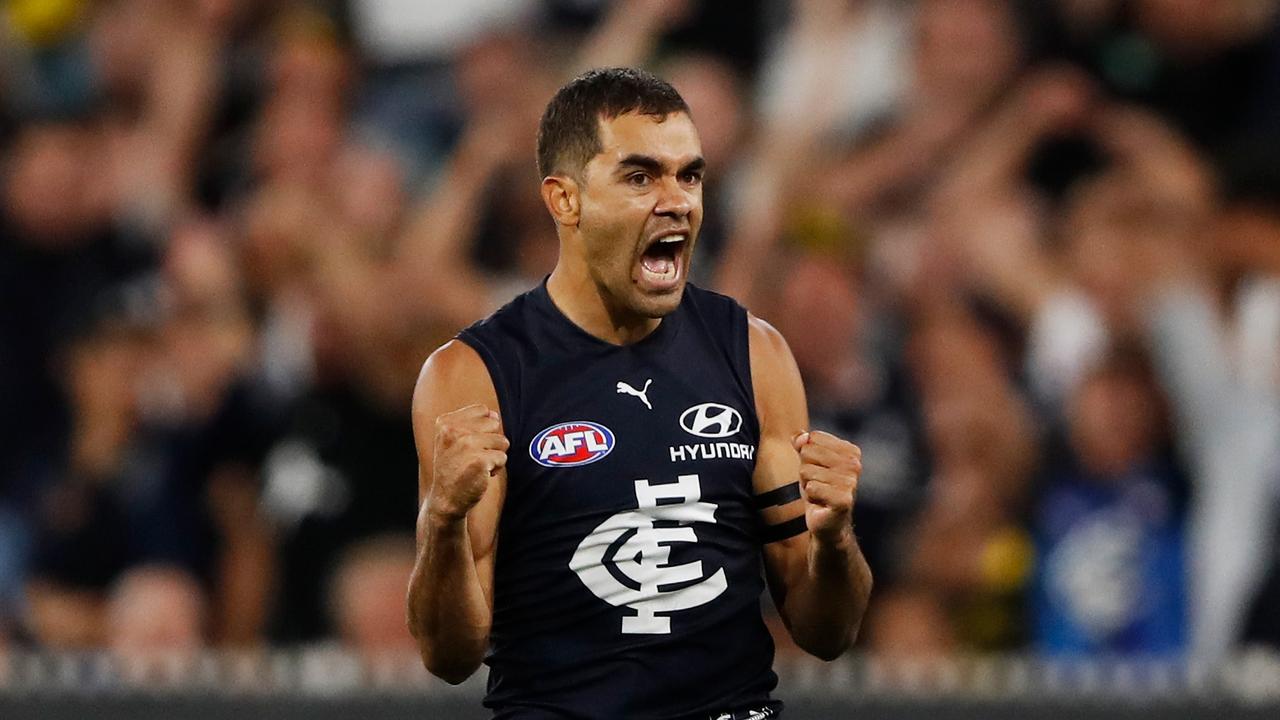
[[1026, 253]]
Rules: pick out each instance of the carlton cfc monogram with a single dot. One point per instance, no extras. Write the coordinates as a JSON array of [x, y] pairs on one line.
[[628, 545]]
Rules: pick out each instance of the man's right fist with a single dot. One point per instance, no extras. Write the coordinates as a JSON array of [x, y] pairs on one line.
[[469, 449]]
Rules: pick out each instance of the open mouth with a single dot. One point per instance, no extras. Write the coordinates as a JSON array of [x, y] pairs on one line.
[[662, 262]]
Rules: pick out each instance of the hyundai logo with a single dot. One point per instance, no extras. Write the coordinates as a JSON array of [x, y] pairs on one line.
[[711, 420]]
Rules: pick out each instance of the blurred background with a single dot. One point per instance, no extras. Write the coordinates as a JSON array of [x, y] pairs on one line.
[[1026, 253]]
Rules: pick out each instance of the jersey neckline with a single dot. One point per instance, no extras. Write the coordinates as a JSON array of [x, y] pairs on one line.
[[667, 327]]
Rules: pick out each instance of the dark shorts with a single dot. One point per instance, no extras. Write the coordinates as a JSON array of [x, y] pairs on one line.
[[771, 710]]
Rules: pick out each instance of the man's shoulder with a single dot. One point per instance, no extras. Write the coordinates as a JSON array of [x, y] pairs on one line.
[[473, 353], [454, 364], [511, 317], [512, 310], [716, 310], [493, 352], [698, 295]]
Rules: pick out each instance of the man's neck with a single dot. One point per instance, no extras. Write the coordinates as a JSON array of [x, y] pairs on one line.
[[583, 303]]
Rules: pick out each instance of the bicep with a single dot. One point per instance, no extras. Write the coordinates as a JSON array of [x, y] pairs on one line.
[[783, 414], [453, 378]]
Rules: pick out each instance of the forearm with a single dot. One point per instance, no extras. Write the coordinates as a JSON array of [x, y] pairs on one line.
[[824, 607], [181, 94], [246, 567], [432, 266], [753, 235], [1187, 345], [444, 223], [625, 37], [449, 614]]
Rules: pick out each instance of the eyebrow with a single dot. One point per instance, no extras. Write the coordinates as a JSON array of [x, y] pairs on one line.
[[656, 166], [644, 162]]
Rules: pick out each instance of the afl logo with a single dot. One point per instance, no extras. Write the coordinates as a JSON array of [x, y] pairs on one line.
[[711, 420], [571, 444]]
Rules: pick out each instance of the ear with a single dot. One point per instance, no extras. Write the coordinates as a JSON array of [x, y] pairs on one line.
[[560, 195]]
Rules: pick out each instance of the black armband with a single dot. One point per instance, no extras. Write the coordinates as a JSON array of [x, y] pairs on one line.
[[778, 497], [783, 530]]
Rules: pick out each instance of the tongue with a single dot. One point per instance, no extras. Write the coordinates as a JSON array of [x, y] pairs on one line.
[[658, 265]]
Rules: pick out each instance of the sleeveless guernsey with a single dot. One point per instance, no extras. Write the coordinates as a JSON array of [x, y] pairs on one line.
[[628, 577]]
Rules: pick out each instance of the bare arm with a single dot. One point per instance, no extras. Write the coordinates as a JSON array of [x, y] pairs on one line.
[[819, 580], [981, 201], [462, 483], [246, 567], [432, 263], [1052, 100], [181, 94], [788, 147], [627, 34]]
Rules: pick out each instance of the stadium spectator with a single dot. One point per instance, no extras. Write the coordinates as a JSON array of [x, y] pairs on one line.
[[230, 230], [365, 597], [1109, 522]]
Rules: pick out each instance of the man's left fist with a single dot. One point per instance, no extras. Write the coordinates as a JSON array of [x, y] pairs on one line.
[[829, 470]]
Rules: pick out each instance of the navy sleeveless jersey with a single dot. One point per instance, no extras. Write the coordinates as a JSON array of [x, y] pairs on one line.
[[628, 575]]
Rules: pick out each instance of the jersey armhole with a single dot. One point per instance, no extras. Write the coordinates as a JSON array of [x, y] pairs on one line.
[[742, 340], [501, 387], [738, 353]]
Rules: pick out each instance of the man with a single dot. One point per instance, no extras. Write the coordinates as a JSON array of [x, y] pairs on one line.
[[605, 460]]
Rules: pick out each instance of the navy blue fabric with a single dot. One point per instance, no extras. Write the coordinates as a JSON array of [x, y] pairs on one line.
[[557, 648], [1111, 577]]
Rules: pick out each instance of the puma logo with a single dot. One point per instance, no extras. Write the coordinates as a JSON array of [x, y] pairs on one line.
[[626, 389]]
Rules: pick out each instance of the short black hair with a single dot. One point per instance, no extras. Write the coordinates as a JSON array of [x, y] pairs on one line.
[[569, 135]]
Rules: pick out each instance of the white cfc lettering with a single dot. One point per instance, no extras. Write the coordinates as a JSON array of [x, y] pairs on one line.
[[629, 543]]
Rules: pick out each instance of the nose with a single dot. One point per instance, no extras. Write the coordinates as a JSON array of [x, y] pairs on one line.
[[674, 200]]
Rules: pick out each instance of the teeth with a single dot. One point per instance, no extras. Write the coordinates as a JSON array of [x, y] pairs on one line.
[[672, 239]]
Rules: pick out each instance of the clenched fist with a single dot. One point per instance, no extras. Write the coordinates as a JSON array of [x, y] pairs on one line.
[[829, 470], [469, 449]]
